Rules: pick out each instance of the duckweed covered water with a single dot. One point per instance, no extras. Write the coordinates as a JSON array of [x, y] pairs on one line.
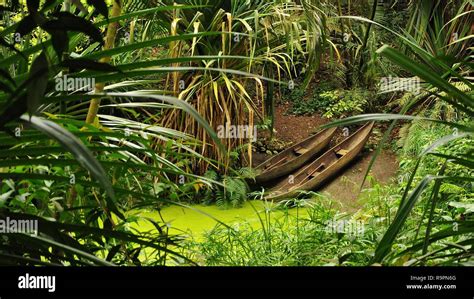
[[194, 222]]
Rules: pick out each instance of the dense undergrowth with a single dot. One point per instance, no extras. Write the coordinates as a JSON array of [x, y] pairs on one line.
[[323, 236], [158, 79]]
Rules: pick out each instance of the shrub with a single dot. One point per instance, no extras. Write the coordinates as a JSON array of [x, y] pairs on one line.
[[231, 193], [344, 102], [331, 103]]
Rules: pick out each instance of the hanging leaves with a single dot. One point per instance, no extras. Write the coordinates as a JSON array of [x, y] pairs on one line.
[[79, 64], [62, 24], [39, 81], [60, 40], [100, 6], [33, 6], [26, 25]]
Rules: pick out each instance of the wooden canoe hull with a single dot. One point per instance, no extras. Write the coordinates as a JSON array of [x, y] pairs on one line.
[[329, 162], [315, 144]]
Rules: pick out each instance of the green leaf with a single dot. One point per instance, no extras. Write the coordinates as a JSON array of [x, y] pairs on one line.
[[60, 40], [4, 74], [14, 110], [38, 82], [79, 64], [11, 47], [386, 117], [80, 152], [386, 243], [100, 6], [180, 104], [428, 75], [33, 6], [73, 250], [434, 199], [26, 25], [68, 22]]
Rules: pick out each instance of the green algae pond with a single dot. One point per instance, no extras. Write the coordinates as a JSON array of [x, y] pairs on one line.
[[196, 220]]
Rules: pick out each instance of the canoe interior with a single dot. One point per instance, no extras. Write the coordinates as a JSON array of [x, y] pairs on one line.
[[315, 172], [292, 153], [295, 156], [309, 172]]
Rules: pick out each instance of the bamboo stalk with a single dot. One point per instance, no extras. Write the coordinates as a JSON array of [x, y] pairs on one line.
[[109, 44], [367, 34]]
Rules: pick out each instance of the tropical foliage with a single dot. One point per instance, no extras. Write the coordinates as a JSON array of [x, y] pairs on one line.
[[109, 108]]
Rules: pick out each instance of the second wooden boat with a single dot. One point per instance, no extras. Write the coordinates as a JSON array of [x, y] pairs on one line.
[[293, 157], [326, 166]]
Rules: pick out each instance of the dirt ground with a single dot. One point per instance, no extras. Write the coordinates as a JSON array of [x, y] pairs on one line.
[[295, 128], [345, 187]]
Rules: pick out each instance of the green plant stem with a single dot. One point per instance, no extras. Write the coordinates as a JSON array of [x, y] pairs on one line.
[[367, 34], [109, 44], [434, 197]]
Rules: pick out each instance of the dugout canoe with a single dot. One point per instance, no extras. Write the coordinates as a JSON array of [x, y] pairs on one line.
[[315, 173], [294, 157]]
